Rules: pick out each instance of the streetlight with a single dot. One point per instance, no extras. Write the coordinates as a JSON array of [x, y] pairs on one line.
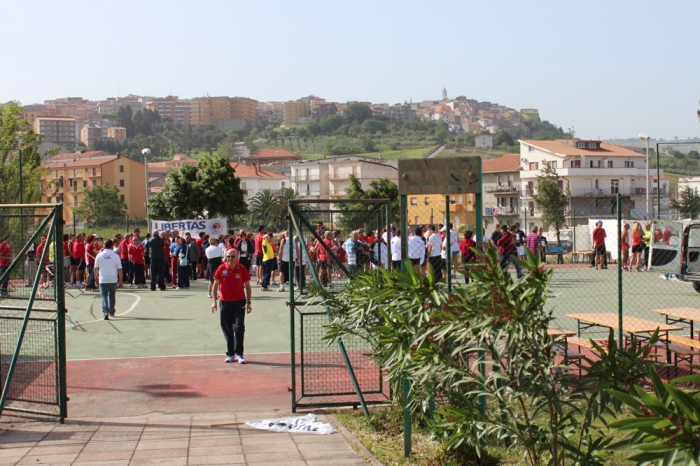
[[146, 152], [644, 137]]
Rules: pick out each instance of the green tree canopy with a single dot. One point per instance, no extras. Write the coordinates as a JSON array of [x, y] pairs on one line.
[[101, 206], [688, 203], [15, 135], [550, 200], [209, 189], [357, 113], [368, 216], [270, 209]]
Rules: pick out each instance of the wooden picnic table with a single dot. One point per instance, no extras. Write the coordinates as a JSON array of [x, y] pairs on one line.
[[577, 256], [631, 325], [681, 315], [557, 333]]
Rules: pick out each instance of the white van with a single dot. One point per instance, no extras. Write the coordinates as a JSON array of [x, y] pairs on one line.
[[675, 248]]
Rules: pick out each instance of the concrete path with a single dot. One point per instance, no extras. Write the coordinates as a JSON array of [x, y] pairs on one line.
[[171, 440], [435, 152]]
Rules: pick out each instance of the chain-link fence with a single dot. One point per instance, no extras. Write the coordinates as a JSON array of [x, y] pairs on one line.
[[354, 237], [32, 331]]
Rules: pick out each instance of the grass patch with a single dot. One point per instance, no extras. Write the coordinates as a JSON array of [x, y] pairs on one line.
[[490, 154]]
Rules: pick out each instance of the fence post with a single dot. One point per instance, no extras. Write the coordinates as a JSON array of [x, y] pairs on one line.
[[292, 349], [407, 440], [619, 268], [448, 246], [60, 313]]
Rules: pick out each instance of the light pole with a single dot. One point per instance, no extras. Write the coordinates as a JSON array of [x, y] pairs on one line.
[[644, 137], [146, 152]]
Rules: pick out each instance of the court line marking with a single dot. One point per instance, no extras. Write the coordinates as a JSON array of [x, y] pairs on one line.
[[131, 308], [174, 356]]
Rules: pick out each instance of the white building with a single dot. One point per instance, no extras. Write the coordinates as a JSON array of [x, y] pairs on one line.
[[483, 141], [594, 172], [693, 183], [501, 191], [255, 179], [329, 177]]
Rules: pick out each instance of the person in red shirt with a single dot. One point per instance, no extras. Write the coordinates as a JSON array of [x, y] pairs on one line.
[[465, 248], [637, 246], [599, 236], [90, 255], [625, 246], [507, 251], [259, 252], [78, 255], [123, 251], [166, 252], [232, 286], [136, 260], [5, 259], [66, 257]]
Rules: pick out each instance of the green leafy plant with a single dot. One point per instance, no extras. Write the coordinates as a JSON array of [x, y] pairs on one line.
[[484, 354], [665, 427]]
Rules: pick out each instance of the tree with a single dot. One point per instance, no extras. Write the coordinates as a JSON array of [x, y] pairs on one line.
[[368, 145], [357, 113], [209, 189], [551, 200], [368, 215], [125, 116], [16, 134], [689, 203], [270, 209], [101, 206], [693, 155]]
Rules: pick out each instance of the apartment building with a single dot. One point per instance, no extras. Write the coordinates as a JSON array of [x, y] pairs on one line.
[[73, 173], [171, 106], [118, 133], [430, 209], [295, 111], [158, 171], [501, 190], [58, 130], [225, 112], [90, 133], [112, 104], [329, 177], [255, 179], [595, 172], [401, 112]]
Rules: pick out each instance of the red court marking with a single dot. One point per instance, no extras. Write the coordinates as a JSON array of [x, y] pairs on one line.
[[183, 384]]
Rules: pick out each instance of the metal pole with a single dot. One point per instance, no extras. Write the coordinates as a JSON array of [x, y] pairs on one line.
[[60, 314], [619, 268], [292, 332], [148, 219], [407, 428], [448, 248], [573, 214], [648, 186], [21, 188], [658, 178], [403, 206], [387, 213]]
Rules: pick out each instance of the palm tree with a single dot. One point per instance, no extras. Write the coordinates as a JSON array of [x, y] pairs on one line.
[[263, 208]]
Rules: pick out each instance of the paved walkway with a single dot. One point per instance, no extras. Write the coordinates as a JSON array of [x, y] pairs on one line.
[[171, 440]]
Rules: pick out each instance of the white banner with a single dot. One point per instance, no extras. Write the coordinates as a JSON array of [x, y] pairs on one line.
[[212, 227], [306, 424]]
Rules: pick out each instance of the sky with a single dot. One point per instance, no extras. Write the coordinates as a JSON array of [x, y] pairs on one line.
[[609, 69]]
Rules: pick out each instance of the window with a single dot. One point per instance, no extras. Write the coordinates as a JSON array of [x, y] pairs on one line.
[[597, 184], [629, 164], [590, 163], [427, 201], [121, 183], [592, 145], [456, 221], [560, 184], [75, 187], [575, 164], [530, 149], [75, 201], [94, 182], [121, 198], [459, 200], [414, 201], [453, 200], [94, 171], [534, 165], [121, 168], [610, 164], [614, 186], [553, 164], [282, 185], [84, 183], [48, 199], [581, 145]]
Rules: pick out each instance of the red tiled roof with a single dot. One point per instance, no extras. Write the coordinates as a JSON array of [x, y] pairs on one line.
[[505, 163], [252, 171], [82, 163], [606, 150], [274, 153], [75, 155]]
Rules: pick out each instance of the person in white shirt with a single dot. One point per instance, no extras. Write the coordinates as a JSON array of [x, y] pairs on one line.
[[381, 255], [396, 250], [351, 251], [215, 257], [299, 263], [434, 252], [108, 273], [283, 257], [454, 247], [416, 248]]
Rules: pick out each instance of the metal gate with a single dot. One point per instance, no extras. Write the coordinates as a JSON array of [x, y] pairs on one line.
[[32, 319], [340, 374]]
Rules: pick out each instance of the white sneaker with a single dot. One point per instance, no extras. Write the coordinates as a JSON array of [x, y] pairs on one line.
[[230, 359], [241, 359], [663, 276], [280, 289], [209, 295]]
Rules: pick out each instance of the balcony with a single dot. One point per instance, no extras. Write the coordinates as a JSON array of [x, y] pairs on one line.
[[527, 192], [495, 211], [335, 192], [305, 178], [453, 208], [339, 176], [308, 193], [502, 189]]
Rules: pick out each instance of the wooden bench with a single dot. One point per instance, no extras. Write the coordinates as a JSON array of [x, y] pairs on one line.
[[683, 348], [578, 341]]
